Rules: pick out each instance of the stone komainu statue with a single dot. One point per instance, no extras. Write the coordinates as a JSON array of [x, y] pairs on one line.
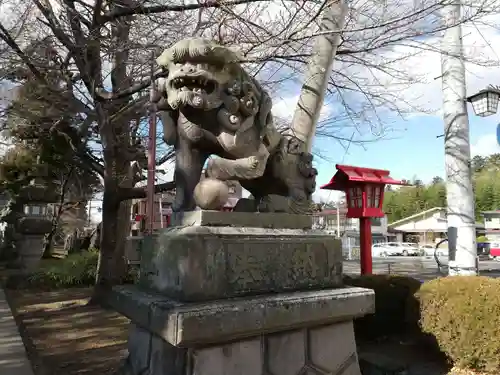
[[209, 106]]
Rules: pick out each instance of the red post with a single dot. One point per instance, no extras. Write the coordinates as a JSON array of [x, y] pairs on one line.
[[365, 241], [150, 195]]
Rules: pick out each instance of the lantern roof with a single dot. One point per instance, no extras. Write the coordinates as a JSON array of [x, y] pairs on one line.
[[347, 174]]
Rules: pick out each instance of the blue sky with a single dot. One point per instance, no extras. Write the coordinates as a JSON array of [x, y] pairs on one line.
[[413, 151], [409, 147]]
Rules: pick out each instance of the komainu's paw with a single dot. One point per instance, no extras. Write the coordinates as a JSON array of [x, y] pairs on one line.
[[253, 162]]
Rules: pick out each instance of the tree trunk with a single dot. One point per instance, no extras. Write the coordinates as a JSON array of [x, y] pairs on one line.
[[116, 140], [112, 265]]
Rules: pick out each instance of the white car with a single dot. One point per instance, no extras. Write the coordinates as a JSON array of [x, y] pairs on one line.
[[429, 250], [394, 248], [391, 249], [409, 248], [380, 250]]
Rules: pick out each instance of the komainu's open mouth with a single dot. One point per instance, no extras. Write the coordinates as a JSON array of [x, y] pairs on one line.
[[195, 84]]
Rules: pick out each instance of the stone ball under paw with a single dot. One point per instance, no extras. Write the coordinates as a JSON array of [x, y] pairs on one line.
[[211, 194]]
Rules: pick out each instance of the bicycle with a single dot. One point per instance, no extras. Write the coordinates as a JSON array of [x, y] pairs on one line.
[[436, 258], [440, 265]]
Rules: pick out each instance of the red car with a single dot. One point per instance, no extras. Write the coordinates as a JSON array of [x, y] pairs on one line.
[[495, 250]]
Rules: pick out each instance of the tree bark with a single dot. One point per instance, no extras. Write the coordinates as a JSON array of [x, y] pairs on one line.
[[112, 264]]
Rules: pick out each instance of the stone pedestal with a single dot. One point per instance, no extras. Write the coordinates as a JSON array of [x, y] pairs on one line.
[[241, 293], [30, 250]]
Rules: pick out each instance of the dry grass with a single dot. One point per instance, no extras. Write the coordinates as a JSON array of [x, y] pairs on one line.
[[63, 336], [458, 371]]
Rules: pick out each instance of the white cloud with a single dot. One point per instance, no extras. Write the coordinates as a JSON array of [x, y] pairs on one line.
[[320, 196], [485, 145], [417, 83], [402, 77], [284, 107]]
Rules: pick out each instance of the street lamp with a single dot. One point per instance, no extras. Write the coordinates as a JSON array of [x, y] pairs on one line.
[[485, 102]]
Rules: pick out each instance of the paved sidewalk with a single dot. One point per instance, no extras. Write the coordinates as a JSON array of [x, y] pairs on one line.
[[13, 359]]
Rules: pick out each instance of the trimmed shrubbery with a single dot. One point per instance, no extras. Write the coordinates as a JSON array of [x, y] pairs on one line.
[[460, 314], [76, 270], [463, 315], [396, 308]]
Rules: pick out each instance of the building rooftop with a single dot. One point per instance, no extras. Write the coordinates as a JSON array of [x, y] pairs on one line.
[[416, 216]]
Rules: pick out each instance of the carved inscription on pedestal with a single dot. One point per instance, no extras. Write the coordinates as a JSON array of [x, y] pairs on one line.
[[266, 265]]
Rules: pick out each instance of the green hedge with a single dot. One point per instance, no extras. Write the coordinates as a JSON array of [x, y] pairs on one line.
[[463, 315], [76, 270], [460, 315], [396, 307]]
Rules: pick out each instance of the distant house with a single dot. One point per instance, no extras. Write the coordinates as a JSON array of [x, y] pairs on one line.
[[428, 226]]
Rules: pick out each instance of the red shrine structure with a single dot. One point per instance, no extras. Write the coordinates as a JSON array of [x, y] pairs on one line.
[[364, 189]]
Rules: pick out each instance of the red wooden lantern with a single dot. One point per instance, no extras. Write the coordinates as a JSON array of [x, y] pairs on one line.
[[364, 189]]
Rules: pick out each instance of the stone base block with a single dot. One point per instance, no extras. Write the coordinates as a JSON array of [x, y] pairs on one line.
[[187, 324], [206, 261], [287, 334], [323, 350]]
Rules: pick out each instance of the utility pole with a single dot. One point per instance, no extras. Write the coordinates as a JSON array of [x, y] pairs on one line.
[[459, 193]]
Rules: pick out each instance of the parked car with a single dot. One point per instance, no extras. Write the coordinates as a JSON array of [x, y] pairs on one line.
[[495, 250], [395, 248], [385, 249], [411, 249], [427, 250]]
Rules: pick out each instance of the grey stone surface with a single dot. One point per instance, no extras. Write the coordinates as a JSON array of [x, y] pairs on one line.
[[322, 350], [199, 263], [242, 219], [13, 359], [187, 324], [30, 249], [133, 246], [229, 294]]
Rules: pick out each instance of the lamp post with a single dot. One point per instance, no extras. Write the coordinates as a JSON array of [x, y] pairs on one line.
[[485, 102]]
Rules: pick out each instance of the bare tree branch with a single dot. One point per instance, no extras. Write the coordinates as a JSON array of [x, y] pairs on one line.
[[141, 9]]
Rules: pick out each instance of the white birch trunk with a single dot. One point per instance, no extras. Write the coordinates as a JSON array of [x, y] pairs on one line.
[[318, 72]]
